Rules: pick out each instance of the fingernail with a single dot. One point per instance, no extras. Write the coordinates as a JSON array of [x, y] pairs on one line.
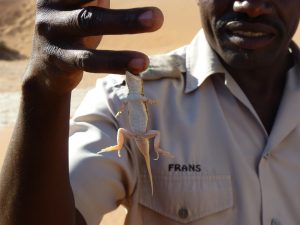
[[146, 18], [137, 64]]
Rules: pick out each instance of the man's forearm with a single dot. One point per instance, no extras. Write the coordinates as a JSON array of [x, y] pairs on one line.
[[35, 186]]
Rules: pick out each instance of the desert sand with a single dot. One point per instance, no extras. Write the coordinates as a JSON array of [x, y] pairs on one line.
[[16, 28]]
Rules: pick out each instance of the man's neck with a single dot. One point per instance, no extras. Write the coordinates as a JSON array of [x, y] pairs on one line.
[[264, 88]]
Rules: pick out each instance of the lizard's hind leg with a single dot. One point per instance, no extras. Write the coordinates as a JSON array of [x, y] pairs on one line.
[[120, 142], [156, 135]]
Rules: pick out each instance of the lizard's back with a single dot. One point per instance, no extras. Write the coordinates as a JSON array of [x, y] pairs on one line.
[[137, 109], [138, 116]]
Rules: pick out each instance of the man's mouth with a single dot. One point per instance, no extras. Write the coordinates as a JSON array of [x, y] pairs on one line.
[[250, 35]]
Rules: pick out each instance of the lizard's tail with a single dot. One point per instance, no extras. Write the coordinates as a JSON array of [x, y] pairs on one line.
[[143, 146]]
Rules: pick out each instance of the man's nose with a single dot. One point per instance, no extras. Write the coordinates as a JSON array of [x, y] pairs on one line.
[[253, 8]]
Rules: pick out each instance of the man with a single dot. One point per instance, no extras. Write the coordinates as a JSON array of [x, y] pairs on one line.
[[231, 119]]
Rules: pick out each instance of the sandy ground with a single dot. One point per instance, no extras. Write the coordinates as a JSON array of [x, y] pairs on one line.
[[16, 27]]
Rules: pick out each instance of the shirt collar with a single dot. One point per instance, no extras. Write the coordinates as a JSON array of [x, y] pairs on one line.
[[201, 62], [288, 113]]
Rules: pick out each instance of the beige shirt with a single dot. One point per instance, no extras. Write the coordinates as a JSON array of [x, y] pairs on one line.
[[227, 170]]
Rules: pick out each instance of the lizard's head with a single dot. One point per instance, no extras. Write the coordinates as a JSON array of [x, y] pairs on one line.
[[134, 83]]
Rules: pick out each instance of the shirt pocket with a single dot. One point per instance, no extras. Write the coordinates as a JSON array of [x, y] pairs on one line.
[[187, 198]]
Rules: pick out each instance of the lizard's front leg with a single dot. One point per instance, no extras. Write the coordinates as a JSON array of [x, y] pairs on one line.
[[120, 141], [122, 109], [149, 101]]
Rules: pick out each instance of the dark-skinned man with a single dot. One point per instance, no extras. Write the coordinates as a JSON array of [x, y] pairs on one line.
[[230, 118]]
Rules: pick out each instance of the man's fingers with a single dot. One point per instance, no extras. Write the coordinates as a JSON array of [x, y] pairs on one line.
[[122, 21], [104, 61], [92, 21]]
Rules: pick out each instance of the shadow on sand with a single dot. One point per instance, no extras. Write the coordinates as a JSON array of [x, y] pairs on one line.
[[9, 54]]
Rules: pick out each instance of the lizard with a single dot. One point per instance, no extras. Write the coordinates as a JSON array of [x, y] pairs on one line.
[[136, 103]]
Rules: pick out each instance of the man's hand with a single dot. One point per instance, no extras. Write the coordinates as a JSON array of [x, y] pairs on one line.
[[67, 33], [34, 180]]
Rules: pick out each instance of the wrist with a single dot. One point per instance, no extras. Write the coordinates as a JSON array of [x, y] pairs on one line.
[[37, 94], [50, 83]]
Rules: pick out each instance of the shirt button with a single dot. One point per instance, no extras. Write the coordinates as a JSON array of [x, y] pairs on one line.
[[183, 213], [275, 222]]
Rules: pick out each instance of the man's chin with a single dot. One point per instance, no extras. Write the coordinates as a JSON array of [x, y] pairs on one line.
[[247, 60]]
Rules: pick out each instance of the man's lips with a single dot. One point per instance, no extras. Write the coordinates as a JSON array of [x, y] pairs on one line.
[[250, 35]]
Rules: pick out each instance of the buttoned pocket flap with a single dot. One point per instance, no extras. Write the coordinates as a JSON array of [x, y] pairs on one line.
[[186, 198]]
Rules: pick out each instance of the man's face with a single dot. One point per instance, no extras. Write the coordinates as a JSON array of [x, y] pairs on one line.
[[250, 34]]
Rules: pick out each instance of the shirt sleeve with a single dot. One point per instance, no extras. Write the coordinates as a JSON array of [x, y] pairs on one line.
[[100, 182]]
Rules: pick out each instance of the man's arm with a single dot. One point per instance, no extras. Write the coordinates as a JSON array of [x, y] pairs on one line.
[[79, 219], [34, 185]]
